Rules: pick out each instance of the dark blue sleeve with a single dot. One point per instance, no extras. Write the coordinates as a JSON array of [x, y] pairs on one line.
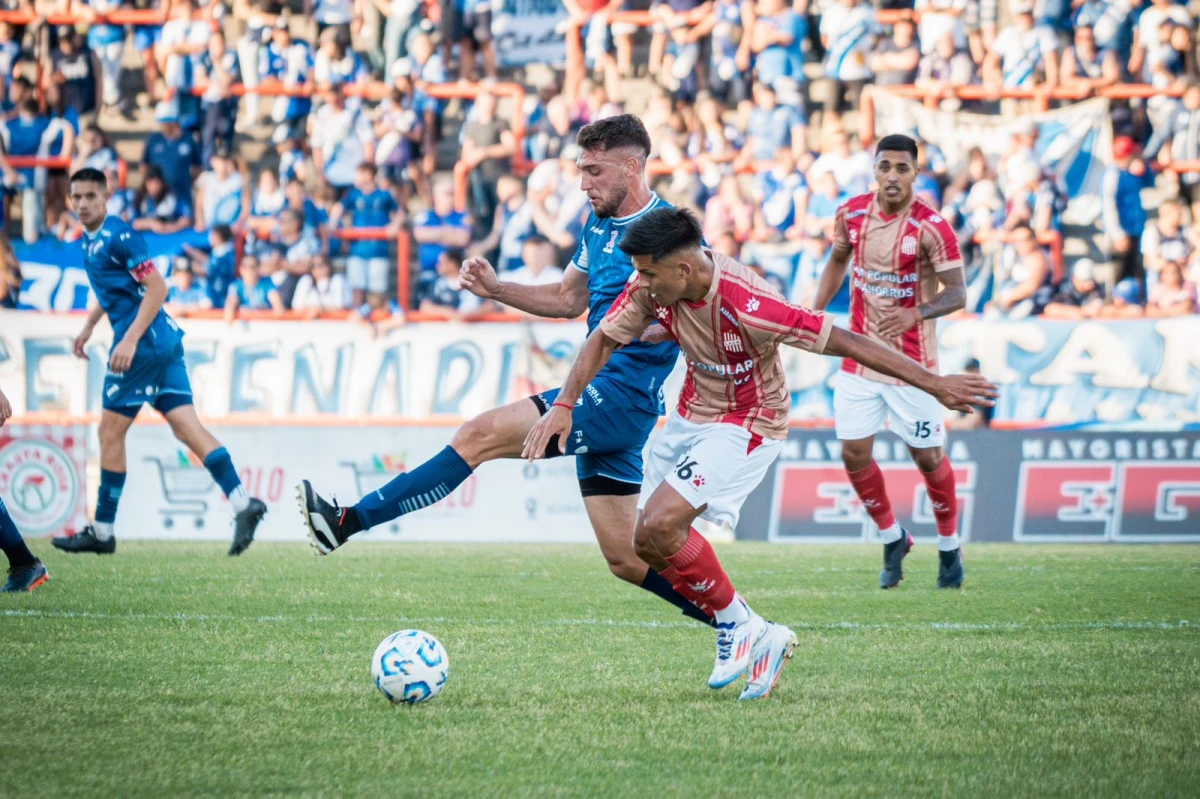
[[131, 252]]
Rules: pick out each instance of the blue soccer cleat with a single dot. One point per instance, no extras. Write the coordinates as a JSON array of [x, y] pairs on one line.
[[893, 556], [23, 579]]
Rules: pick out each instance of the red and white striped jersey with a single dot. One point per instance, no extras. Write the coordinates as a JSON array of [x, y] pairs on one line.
[[731, 342], [895, 263]]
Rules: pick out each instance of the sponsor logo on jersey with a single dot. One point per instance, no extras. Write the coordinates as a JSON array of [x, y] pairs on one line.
[[739, 369], [662, 312], [856, 214], [914, 222], [726, 313], [908, 246], [752, 305]]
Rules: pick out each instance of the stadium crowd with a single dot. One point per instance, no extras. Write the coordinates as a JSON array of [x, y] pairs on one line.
[[748, 104]]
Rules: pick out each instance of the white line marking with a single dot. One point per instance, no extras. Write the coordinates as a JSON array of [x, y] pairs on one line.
[[946, 626]]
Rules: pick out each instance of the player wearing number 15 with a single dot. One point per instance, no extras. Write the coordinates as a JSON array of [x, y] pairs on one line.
[[731, 418], [145, 366], [901, 249]]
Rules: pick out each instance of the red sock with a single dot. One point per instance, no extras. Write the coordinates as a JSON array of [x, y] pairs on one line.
[[697, 574], [868, 484], [939, 484]]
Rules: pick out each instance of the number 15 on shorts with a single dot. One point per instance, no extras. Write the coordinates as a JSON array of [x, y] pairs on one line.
[[921, 430]]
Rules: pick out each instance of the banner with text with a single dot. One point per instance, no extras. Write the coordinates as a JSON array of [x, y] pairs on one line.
[[1036, 486], [43, 472]]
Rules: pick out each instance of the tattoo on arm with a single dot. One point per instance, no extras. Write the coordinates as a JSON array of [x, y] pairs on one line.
[[952, 297]]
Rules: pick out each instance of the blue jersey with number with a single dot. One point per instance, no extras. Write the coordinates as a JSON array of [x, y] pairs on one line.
[[639, 368], [116, 260]]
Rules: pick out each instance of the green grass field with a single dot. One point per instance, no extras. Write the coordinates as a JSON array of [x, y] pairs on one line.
[[172, 670]]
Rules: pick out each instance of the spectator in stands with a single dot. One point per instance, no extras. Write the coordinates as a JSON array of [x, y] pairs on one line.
[[290, 62], [269, 197], [23, 136], [487, 149], [298, 200], [1024, 55], [776, 41], [1111, 25], [1085, 66], [713, 144], [336, 65], [981, 418], [292, 163], [1178, 139], [94, 150], [342, 138], [145, 42], [322, 290], [939, 18], [730, 210], [1123, 215], [512, 225], [340, 16], [156, 209], [554, 132], [73, 73], [251, 292], [1127, 301], [540, 258], [781, 197], [217, 265], [10, 275], [809, 267], [298, 244], [57, 142], [1164, 242], [823, 202], [184, 37], [19, 90], [853, 170], [222, 193], [402, 17], [187, 293], [219, 69], [445, 295], [468, 23], [439, 228], [894, 60], [171, 151], [1172, 295], [259, 17], [943, 68], [1025, 277], [672, 20], [730, 49], [1033, 199], [847, 34], [399, 131], [770, 127], [10, 54], [1077, 297], [1152, 37], [367, 206]]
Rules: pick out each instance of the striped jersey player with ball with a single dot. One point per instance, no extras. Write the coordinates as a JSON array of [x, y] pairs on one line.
[[731, 418]]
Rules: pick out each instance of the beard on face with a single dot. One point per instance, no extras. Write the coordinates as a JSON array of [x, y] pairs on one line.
[[611, 207]]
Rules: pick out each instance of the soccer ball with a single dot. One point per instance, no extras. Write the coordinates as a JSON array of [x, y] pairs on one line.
[[410, 667]]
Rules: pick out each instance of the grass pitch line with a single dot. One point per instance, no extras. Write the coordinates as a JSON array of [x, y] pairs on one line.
[[946, 626]]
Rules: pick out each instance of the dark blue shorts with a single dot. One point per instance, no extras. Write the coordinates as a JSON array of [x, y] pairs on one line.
[[161, 380], [608, 435]]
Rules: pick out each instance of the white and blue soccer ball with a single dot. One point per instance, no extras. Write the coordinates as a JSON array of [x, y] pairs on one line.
[[410, 667]]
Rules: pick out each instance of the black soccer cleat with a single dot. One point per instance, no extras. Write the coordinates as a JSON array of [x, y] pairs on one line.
[[326, 523], [85, 541], [23, 579], [893, 555], [950, 569], [244, 525]]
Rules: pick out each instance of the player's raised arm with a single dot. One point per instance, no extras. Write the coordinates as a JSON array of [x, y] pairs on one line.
[[566, 299], [957, 392]]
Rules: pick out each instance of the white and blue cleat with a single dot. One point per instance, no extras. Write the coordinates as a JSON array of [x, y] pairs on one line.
[[735, 644], [767, 659]]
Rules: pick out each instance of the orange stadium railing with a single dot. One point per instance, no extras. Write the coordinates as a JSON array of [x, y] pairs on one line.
[[60, 162]]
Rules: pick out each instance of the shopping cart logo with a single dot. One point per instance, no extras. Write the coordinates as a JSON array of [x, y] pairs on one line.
[[185, 486]]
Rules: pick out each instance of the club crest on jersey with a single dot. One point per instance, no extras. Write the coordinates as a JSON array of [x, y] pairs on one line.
[[752, 305], [908, 246], [612, 242], [733, 343]]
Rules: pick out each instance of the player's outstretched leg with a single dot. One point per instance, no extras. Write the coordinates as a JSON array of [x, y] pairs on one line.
[[665, 539], [25, 571], [868, 483], [935, 467], [186, 426], [98, 537]]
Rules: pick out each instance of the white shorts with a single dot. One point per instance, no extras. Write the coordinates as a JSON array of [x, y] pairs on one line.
[[707, 464], [862, 407], [368, 274]]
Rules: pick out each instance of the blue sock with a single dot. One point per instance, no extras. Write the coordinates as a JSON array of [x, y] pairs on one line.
[[658, 585], [111, 485], [11, 542], [433, 480], [220, 466]]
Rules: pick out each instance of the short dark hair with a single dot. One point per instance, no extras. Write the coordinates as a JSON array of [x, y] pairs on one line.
[[898, 143], [455, 254], [536, 238], [612, 133], [662, 232], [223, 232], [90, 175]]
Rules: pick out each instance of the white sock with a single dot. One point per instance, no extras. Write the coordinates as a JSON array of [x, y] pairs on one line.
[[947, 543], [239, 499], [737, 612], [103, 530], [891, 534]]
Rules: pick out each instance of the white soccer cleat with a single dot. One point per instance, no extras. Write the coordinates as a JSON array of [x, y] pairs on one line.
[[767, 659], [735, 642]]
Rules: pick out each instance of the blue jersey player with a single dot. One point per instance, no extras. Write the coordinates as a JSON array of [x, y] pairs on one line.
[[25, 571], [616, 413], [145, 366]]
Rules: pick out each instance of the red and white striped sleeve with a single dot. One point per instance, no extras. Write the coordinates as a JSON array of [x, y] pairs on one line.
[[629, 314], [940, 244]]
